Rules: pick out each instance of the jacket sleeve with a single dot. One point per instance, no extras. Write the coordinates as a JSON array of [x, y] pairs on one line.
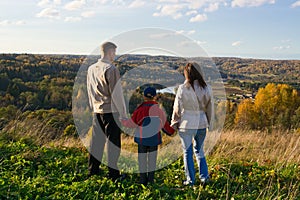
[[177, 107], [210, 114], [89, 90], [167, 129]]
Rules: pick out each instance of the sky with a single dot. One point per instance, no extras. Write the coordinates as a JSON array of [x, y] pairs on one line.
[[267, 29]]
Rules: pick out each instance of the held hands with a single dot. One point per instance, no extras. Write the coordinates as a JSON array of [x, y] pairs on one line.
[[175, 127], [123, 120], [175, 130]]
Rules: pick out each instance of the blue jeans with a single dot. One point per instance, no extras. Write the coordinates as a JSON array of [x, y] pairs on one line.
[[187, 137]]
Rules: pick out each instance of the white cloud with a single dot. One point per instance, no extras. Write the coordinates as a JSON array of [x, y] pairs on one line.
[[200, 42], [44, 3], [191, 32], [189, 43], [118, 2], [191, 12], [4, 22], [180, 32], [168, 1], [197, 4], [7, 22], [160, 35], [186, 32], [170, 10], [87, 14], [101, 1], [20, 22], [280, 48], [72, 19], [177, 8], [236, 43], [57, 2], [185, 43], [136, 4], [296, 4], [285, 44], [166, 35], [199, 18], [114, 2], [288, 47], [75, 5], [49, 13], [250, 3], [212, 7]]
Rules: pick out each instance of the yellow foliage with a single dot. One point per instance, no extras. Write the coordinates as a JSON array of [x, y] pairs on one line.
[[274, 105], [244, 114]]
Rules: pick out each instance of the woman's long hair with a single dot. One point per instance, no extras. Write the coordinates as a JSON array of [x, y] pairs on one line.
[[193, 73]]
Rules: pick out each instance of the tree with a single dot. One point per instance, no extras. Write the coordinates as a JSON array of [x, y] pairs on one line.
[[274, 106], [231, 109], [4, 81], [245, 114]]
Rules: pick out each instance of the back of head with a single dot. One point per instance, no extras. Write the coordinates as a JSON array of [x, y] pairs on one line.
[[106, 46], [194, 72], [150, 92]]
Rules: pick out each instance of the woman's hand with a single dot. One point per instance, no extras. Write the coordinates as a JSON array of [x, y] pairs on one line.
[[175, 126]]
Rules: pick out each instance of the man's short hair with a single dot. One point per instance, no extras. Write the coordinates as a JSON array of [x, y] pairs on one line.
[[106, 46]]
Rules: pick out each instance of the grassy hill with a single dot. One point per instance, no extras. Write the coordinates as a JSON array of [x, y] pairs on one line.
[[244, 165]]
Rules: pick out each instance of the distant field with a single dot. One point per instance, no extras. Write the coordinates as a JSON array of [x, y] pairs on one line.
[[233, 90]]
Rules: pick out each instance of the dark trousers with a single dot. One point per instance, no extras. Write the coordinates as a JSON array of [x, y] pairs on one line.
[[147, 156], [105, 130]]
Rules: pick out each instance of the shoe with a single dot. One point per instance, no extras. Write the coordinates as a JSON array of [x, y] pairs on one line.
[[121, 177], [98, 173], [187, 183], [204, 181], [145, 183], [143, 179]]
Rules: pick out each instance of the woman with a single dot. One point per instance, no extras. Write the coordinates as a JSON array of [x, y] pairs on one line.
[[192, 115]]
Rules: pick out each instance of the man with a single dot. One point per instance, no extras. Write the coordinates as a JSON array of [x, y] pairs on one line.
[[106, 99]]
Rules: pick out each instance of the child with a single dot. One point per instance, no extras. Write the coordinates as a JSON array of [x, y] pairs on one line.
[[149, 120]]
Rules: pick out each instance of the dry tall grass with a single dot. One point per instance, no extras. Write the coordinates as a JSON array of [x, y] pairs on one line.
[[279, 147]]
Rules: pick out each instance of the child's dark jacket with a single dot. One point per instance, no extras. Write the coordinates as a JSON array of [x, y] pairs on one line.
[[149, 120]]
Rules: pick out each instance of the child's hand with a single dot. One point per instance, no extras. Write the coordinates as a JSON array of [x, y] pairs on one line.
[[175, 126], [127, 122], [123, 120]]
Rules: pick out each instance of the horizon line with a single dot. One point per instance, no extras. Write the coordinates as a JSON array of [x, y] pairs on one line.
[[215, 56]]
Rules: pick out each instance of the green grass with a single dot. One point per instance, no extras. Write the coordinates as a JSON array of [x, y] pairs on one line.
[[29, 171]]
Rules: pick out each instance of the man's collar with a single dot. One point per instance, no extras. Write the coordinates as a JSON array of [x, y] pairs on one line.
[[105, 60]]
